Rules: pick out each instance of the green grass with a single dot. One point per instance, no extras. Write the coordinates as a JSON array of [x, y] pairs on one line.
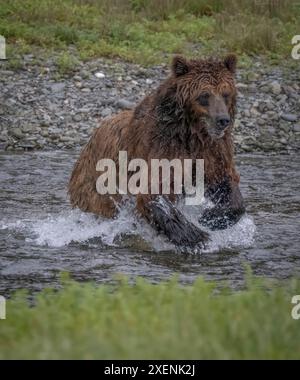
[[146, 321], [148, 32]]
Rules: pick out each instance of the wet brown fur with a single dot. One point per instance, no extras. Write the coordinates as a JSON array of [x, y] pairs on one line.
[[169, 124]]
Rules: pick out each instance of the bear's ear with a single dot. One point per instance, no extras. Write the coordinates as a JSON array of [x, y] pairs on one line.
[[230, 62], [180, 66]]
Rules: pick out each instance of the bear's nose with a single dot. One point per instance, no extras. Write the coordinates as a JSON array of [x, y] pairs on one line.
[[222, 121]]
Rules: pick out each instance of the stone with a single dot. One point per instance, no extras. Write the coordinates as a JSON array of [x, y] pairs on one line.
[[44, 133], [106, 112], [28, 128], [57, 87], [283, 140], [3, 146], [289, 117], [99, 75], [296, 128], [85, 74], [27, 144], [64, 138], [17, 133], [241, 86], [77, 117], [124, 104], [252, 76], [275, 88]]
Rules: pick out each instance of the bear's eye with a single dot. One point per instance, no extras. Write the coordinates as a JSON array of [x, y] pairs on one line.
[[203, 99]]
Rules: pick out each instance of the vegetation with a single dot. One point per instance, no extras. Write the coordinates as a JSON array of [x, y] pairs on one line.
[[147, 321], [149, 31]]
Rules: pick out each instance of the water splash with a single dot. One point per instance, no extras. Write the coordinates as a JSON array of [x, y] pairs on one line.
[[74, 226]]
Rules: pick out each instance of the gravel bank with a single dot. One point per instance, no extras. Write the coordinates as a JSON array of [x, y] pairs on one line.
[[39, 109]]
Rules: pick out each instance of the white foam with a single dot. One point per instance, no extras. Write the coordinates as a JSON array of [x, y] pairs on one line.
[[70, 226]]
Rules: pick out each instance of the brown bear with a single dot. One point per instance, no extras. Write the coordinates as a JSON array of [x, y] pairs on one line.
[[190, 115]]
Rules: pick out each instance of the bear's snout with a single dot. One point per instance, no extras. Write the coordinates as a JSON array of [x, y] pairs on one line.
[[222, 122]]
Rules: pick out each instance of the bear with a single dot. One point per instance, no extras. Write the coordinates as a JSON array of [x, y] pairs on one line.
[[190, 115]]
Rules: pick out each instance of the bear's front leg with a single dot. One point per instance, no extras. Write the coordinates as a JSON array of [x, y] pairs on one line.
[[167, 219], [229, 206]]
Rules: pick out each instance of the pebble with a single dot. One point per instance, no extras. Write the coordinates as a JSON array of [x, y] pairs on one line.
[[275, 88], [99, 75], [57, 87], [124, 104], [296, 128], [106, 112], [17, 133], [289, 117], [77, 117]]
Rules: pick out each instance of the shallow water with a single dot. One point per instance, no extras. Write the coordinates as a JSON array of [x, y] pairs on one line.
[[40, 235]]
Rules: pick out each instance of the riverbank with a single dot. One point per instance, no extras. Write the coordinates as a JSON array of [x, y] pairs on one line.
[[147, 321], [41, 108]]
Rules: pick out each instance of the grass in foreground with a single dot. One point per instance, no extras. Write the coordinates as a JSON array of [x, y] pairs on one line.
[[146, 321], [148, 32]]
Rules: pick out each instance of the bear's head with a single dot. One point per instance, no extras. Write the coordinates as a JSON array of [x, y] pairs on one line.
[[202, 94]]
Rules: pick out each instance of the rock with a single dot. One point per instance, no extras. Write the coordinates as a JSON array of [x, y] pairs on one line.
[[77, 117], [283, 140], [78, 84], [288, 117], [246, 113], [99, 75], [57, 87], [272, 115], [44, 133], [85, 74], [252, 76], [28, 145], [7, 72], [284, 127], [64, 138], [124, 104], [254, 113], [275, 88], [17, 133], [281, 99], [261, 122], [296, 128], [241, 86], [106, 112], [3, 138], [3, 146], [28, 128]]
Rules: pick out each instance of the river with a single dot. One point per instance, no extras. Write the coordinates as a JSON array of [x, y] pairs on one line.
[[41, 236]]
